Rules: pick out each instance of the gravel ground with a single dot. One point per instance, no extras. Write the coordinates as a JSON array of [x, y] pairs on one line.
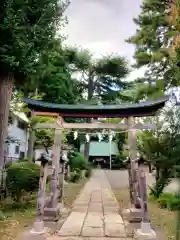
[[119, 179]]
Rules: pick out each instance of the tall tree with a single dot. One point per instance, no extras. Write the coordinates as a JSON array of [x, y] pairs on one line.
[[100, 79], [53, 77], [26, 29], [161, 147], [54, 83], [143, 91], [153, 38]]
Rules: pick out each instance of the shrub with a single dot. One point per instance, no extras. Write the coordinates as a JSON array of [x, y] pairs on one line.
[[157, 188], [173, 204], [163, 200], [118, 163], [22, 176], [170, 201], [75, 176], [79, 162], [88, 172]]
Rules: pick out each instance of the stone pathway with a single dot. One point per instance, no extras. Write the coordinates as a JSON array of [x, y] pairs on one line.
[[94, 214]]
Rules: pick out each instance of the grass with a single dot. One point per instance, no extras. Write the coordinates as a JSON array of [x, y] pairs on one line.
[[71, 191], [162, 219], [20, 216]]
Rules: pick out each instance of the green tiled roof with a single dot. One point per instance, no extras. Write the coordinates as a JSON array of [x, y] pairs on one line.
[[101, 149]]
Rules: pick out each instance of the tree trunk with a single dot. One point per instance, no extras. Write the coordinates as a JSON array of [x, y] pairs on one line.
[[149, 166], [6, 85], [31, 140], [30, 152], [157, 174]]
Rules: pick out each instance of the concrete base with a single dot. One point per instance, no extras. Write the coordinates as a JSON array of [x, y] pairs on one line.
[[34, 234], [139, 235], [132, 215], [51, 214], [38, 228], [145, 233]]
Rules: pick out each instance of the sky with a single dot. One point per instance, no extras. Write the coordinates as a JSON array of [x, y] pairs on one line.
[[102, 27]]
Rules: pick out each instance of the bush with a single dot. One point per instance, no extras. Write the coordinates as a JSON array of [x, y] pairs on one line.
[[118, 163], [79, 162], [157, 188], [22, 176], [75, 176], [170, 201], [173, 204], [163, 199]]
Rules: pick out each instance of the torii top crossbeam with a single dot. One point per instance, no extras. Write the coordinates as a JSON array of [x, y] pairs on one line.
[[148, 108]]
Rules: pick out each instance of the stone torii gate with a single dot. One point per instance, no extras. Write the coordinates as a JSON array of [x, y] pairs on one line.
[[137, 186]]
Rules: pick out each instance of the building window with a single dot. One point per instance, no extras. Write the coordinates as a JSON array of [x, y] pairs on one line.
[[21, 125], [17, 148], [22, 155]]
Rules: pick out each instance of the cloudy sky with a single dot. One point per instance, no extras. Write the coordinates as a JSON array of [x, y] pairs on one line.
[[102, 26]]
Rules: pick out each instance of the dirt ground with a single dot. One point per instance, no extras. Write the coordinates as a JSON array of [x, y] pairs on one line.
[[162, 220], [119, 179]]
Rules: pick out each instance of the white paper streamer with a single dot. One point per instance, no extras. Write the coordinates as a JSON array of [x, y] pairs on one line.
[[87, 137], [75, 135], [100, 137], [110, 137]]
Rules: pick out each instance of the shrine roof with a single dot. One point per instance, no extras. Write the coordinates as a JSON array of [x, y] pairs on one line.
[[148, 108]]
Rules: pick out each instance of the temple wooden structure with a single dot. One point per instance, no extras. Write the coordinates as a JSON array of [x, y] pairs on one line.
[[126, 111]]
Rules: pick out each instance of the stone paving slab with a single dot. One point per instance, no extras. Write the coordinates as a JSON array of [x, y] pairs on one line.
[[95, 213], [92, 232], [114, 230], [113, 218], [73, 224], [94, 220], [85, 238]]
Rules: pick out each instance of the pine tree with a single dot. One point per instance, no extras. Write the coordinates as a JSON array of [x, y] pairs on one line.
[[153, 40]]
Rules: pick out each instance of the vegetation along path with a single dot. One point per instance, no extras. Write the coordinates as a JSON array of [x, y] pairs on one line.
[[95, 213]]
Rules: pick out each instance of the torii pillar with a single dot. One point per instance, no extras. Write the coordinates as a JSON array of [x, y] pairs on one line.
[[134, 213]]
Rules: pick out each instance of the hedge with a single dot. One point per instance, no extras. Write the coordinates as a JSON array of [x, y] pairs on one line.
[[22, 177]]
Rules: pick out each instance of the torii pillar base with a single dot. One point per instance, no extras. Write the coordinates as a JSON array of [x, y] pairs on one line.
[[145, 232], [132, 215], [51, 214]]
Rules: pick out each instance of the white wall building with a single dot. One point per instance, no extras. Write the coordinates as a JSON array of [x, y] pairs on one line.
[[17, 141]]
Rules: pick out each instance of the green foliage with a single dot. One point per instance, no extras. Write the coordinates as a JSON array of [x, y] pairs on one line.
[[54, 77], [24, 160], [120, 139], [44, 137], [153, 40], [100, 77], [75, 176], [22, 176], [161, 148], [170, 201], [78, 162], [23, 36], [118, 163], [157, 189]]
